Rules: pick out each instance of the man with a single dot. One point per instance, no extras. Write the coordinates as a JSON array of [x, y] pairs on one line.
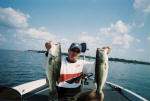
[[72, 70]]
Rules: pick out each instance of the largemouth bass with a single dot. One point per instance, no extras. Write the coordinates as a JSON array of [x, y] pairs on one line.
[[53, 69], [101, 68]]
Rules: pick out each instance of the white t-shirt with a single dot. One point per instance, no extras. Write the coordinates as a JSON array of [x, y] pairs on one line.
[[70, 73]]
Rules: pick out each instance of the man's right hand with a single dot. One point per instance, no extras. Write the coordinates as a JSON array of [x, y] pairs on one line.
[[47, 45], [107, 47]]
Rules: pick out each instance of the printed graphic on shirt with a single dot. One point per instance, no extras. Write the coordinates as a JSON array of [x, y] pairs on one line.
[[78, 65], [74, 80], [71, 78]]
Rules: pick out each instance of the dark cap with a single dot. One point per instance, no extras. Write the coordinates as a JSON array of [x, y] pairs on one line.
[[76, 45]]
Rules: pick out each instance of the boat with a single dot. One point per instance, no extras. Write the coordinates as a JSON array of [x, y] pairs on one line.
[[39, 91]]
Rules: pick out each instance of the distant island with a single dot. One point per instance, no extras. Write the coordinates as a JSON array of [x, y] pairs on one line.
[[90, 57], [37, 51]]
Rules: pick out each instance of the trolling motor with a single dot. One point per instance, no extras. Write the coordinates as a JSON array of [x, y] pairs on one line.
[[84, 48]]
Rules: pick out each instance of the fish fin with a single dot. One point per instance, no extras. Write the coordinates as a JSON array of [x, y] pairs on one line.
[[104, 84], [58, 80], [105, 66], [53, 96], [94, 81]]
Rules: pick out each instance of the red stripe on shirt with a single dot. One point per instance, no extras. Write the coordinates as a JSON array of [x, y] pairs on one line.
[[64, 77]]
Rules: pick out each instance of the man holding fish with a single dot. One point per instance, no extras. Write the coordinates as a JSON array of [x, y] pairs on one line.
[[65, 73]]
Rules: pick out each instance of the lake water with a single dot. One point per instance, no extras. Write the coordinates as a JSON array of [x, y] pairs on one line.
[[18, 67]]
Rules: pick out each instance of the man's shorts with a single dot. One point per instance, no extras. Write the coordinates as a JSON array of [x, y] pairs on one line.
[[67, 92]]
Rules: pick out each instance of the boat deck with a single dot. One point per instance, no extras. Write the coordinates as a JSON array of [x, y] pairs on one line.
[[110, 93]]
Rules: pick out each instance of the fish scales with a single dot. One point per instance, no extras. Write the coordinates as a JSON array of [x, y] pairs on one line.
[[53, 71], [101, 68]]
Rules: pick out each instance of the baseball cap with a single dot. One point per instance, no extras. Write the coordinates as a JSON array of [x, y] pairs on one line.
[[75, 45]]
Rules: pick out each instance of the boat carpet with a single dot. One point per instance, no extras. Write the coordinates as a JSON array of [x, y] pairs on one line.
[[110, 94]]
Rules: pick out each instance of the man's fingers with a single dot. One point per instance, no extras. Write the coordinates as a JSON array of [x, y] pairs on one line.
[[106, 47], [47, 45], [109, 49]]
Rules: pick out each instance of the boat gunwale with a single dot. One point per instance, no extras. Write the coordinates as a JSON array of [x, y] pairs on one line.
[[30, 86], [24, 90], [127, 93]]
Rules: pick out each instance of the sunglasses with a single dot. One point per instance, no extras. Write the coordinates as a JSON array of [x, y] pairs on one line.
[[75, 50]]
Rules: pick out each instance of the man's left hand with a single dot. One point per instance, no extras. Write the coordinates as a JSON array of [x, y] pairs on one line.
[[107, 47]]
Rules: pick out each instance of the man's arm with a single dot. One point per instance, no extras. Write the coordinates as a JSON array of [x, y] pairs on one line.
[[88, 67], [45, 61], [45, 65], [47, 46]]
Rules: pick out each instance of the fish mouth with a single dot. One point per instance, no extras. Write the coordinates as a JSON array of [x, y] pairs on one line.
[[100, 49], [54, 43], [54, 49]]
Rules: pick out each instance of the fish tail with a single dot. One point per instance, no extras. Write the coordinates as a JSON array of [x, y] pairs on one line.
[[53, 96]]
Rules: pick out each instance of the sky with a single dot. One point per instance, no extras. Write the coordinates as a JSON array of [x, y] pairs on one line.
[[121, 24]]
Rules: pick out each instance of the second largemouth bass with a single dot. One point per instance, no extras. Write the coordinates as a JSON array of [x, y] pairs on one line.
[[53, 69], [101, 68]]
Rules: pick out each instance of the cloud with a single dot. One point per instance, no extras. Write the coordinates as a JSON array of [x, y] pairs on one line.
[[138, 40], [123, 40], [118, 34], [140, 50], [15, 22], [142, 10], [119, 27], [87, 38], [142, 5], [32, 38], [117, 40], [37, 34], [65, 43], [137, 24], [10, 17], [42, 28], [15, 35], [148, 38], [93, 42], [147, 10]]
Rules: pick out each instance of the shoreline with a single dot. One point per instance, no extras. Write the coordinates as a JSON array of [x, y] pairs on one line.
[[90, 57]]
